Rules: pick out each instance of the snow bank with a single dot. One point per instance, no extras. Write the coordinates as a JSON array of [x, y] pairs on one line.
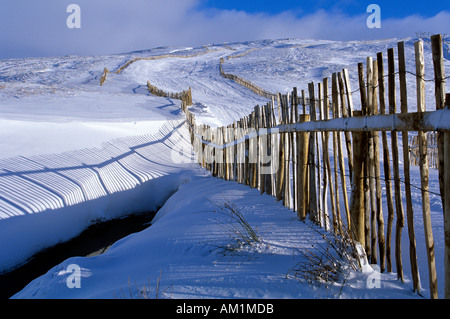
[[49, 199], [182, 250]]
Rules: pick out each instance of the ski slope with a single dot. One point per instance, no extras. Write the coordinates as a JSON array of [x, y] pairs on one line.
[[75, 152]]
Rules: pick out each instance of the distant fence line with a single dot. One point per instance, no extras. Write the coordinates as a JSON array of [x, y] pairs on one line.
[[163, 56], [152, 58], [185, 96], [245, 83], [290, 159], [302, 99], [240, 55]]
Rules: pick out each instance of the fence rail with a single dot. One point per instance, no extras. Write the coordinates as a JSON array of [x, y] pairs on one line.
[[288, 156]]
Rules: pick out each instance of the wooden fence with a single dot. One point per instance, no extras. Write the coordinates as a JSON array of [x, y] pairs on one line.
[[152, 58], [245, 83], [163, 56], [302, 99], [103, 78], [185, 96], [289, 156]]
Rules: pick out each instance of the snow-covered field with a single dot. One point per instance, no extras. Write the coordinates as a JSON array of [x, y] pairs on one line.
[[75, 152]]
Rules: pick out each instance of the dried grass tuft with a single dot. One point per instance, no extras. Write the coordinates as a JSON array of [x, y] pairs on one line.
[[328, 262], [242, 235]]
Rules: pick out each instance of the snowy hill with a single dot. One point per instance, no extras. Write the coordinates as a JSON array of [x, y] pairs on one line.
[[75, 152]]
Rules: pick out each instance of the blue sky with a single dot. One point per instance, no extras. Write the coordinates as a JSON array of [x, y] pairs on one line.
[[38, 27], [390, 8]]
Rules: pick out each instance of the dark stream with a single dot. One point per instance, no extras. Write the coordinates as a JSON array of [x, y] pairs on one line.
[[93, 241]]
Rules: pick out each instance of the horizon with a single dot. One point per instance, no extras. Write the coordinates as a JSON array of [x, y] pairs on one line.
[[46, 28]]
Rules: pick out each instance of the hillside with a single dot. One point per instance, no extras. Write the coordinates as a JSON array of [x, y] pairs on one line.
[[75, 152]]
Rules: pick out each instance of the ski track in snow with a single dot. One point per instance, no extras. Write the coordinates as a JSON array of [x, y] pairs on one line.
[[75, 152]]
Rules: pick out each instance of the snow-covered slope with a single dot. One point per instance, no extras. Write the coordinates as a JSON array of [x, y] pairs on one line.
[[74, 152]]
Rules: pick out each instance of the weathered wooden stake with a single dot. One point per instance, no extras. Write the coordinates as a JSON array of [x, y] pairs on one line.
[[281, 168], [256, 169], [311, 158], [395, 165], [344, 87], [409, 208], [336, 140], [424, 177], [324, 136], [439, 82], [447, 209], [302, 169], [386, 163], [366, 200], [340, 151], [287, 180], [318, 158], [327, 162], [294, 119], [262, 146], [377, 170], [357, 197], [371, 166]]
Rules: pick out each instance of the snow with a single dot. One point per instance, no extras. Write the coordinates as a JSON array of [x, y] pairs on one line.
[[75, 152], [180, 249]]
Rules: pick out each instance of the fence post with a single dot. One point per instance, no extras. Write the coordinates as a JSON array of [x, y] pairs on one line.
[[395, 165], [324, 218], [303, 102], [280, 172], [447, 208], [409, 208], [318, 160], [238, 150], [326, 106], [371, 163], [103, 78], [311, 157], [340, 151], [268, 153], [255, 158], [386, 161], [439, 78], [302, 170], [235, 161], [420, 71], [336, 141], [357, 197], [246, 173], [379, 200], [226, 153], [349, 92], [346, 112], [220, 153], [214, 152], [287, 181], [231, 151], [262, 146], [366, 199], [294, 119]]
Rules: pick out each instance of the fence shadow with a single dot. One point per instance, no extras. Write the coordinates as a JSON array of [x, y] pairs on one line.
[[30, 185]]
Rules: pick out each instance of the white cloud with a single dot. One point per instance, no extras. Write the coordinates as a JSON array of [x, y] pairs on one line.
[[110, 26]]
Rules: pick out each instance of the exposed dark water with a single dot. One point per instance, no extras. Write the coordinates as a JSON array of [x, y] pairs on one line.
[[93, 241]]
